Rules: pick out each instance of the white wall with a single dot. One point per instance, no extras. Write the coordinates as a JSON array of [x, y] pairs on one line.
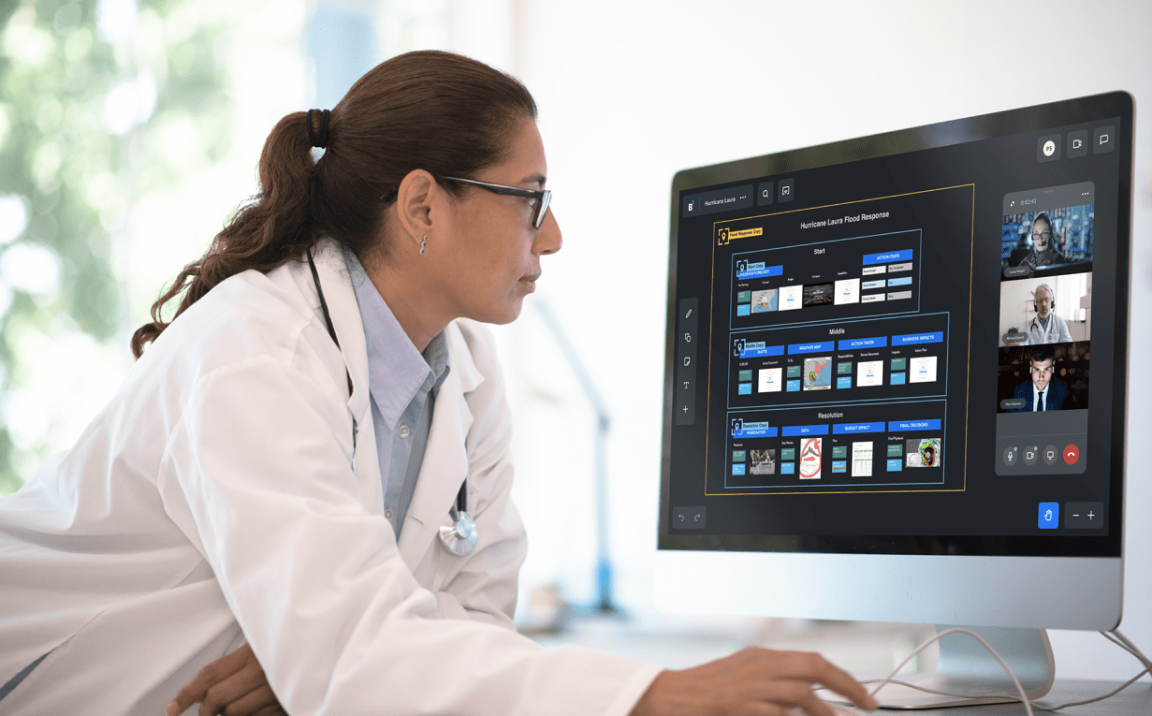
[[632, 90]]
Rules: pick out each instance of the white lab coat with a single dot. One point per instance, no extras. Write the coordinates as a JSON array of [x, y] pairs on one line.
[[1056, 332], [213, 500]]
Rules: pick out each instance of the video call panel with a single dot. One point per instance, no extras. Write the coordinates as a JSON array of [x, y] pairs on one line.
[[1044, 332]]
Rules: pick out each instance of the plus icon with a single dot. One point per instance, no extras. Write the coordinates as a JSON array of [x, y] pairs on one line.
[[685, 408], [1091, 514]]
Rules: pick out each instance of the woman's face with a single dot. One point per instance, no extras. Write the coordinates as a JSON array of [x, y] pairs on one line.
[[493, 260]]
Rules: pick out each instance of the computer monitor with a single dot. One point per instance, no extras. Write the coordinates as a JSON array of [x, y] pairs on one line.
[[895, 375]]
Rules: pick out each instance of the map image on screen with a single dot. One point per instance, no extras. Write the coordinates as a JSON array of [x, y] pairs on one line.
[[817, 375]]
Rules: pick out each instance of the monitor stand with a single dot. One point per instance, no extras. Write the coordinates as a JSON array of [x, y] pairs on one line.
[[966, 667]]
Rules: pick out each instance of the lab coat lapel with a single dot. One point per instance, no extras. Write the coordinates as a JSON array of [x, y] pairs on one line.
[[446, 457], [345, 312]]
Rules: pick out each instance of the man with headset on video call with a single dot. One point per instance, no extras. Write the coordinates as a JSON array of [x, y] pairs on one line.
[[1046, 326]]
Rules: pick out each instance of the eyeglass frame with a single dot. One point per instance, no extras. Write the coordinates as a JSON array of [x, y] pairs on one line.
[[543, 197]]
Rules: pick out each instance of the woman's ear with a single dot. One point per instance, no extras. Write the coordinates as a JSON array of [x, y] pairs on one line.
[[418, 203]]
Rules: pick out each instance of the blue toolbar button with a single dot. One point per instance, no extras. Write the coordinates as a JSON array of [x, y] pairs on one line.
[[1049, 515]]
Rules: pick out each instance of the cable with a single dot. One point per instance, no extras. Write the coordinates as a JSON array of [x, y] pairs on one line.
[[1114, 636], [1127, 644], [1108, 695], [977, 637]]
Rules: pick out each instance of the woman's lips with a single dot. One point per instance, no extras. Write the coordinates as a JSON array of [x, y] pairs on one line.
[[530, 281]]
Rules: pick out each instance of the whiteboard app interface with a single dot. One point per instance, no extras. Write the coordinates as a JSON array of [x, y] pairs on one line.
[[917, 344]]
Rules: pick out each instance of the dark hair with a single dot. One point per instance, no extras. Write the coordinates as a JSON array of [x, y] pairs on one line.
[[1039, 354], [444, 113], [1040, 216]]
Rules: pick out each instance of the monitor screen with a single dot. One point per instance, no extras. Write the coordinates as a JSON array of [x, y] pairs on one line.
[[907, 344]]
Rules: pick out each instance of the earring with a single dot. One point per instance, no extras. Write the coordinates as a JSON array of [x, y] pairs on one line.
[[423, 245]]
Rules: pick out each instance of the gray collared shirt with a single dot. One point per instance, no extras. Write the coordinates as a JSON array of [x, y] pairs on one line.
[[403, 385]]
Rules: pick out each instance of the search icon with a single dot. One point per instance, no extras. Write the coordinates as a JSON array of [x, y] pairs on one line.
[[765, 191]]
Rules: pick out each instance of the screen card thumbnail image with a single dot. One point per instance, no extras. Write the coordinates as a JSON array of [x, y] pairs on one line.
[[893, 358], [842, 448], [827, 280]]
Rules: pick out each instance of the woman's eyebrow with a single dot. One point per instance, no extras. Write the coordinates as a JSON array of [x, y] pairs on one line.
[[535, 179]]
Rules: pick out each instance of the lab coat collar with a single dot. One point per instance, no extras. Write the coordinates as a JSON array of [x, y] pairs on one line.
[[445, 463], [345, 313]]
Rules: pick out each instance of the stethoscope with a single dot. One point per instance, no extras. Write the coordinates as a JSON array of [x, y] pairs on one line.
[[459, 538]]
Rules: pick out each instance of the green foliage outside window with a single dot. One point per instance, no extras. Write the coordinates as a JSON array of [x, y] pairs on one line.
[[100, 103]]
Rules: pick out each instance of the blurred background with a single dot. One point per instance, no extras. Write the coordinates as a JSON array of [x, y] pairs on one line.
[[130, 129]]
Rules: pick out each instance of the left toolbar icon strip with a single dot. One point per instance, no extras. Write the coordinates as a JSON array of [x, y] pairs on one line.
[[684, 399]]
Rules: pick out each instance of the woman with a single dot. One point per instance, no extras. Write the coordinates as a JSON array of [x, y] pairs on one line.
[[279, 465]]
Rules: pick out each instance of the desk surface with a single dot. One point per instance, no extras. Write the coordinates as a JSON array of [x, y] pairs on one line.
[[1136, 700]]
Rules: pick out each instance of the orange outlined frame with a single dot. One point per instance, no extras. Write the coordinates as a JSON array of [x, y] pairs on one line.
[[715, 239]]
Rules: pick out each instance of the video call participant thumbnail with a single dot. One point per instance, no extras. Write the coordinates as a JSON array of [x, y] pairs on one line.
[[1046, 326], [1044, 251], [1042, 391]]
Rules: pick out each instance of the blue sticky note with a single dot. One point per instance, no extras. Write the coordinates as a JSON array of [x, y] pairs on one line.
[[743, 309], [844, 381], [898, 378], [895, 465], [745, 389], [738, 469], [787, 468], [793, 386], [839, 466]]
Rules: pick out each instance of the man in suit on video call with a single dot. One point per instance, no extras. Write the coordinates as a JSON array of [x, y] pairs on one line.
[[1042, 391]]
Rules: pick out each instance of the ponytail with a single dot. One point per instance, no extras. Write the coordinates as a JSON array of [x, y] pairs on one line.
[[444, 113], [272, 228]]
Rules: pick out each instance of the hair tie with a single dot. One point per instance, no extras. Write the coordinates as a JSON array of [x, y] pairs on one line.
[[319, 139]]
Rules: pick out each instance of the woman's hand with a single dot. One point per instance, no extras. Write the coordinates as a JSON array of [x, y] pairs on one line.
[[233, 685], [756, 682]]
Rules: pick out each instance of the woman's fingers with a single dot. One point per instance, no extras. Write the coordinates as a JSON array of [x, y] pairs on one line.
[[212, 674], [232, 689], [814, 668], [258, 701], [754, 682]]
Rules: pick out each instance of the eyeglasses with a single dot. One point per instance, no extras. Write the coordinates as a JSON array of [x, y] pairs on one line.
[[540, 207], [542, 198], [1042, 235]]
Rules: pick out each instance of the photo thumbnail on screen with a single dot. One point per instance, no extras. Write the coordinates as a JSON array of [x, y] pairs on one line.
[[1046, 229]]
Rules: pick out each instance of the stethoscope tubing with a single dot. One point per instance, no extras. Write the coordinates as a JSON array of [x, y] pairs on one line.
[[461, 537]]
